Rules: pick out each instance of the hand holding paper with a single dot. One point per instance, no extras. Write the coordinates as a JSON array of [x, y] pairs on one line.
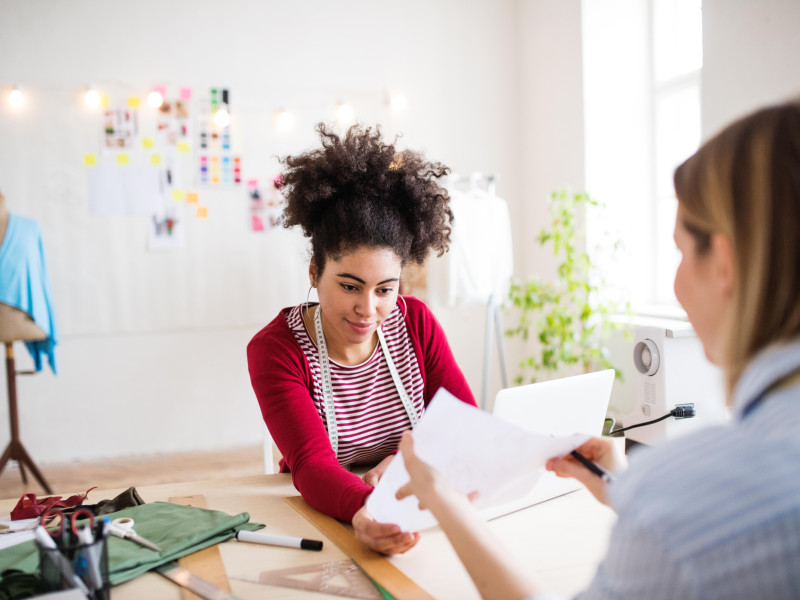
[[475, 452]]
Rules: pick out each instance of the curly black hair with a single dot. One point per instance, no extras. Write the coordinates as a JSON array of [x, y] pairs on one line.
[[357, 190]]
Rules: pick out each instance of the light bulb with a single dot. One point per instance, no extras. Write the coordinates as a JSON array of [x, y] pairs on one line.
[[284, 121], [16, 98], [155, 99], [222, 118], [399, 102], [345, 113], [92, 98]]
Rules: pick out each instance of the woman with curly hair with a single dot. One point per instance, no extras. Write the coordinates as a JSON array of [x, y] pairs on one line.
[[339, 381]]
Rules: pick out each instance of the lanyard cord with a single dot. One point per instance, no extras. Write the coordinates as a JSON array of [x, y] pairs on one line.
[[327, 385]]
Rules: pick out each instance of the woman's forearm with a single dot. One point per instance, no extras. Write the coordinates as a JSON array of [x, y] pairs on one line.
[[494, 570]]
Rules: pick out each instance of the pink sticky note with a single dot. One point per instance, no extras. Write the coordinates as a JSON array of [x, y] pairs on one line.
[[161, 89], [257, 223], [186, 93], [252, 183]]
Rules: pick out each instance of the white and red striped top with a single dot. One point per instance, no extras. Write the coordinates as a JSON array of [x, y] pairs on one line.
[[369, 413]]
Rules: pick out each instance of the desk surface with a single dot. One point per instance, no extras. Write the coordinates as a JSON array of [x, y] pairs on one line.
[[562, 540]]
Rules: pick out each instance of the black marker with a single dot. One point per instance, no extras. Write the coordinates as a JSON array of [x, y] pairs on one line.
[[278, 540], [592, 466]]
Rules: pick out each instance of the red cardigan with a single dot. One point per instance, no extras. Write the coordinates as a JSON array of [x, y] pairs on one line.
[[281, 379]]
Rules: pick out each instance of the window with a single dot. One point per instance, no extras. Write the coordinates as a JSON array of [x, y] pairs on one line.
[[642, 68]]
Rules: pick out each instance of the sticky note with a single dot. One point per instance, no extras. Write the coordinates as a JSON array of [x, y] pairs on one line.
[[90, 159], [148, 142], [123, 159], [192, 198], [178, 195], [155, 159], [202, 212], [183, 147], [161, 89], [134, 102], [104, 101], [186, 93]]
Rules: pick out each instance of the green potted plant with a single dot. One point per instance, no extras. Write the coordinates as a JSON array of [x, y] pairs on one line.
[[568, 320]]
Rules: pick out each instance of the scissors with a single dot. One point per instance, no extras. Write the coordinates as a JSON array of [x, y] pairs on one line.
[[52, 514], [123, 528]]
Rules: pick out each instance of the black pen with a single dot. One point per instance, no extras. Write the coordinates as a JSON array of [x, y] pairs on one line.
[[592, 466]]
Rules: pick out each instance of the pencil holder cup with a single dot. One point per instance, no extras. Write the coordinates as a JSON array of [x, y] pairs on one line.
[[76, 565]]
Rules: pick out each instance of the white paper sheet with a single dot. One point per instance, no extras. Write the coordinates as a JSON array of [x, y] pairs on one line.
[[124, 190], [12, 537], [475, 452]]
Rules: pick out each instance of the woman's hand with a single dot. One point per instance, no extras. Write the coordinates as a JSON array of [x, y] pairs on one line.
[[382, 537], [604, 452], [425, 482], [373, 476]]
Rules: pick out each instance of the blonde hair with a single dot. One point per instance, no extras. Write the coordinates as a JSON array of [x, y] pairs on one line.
[[744, 184]]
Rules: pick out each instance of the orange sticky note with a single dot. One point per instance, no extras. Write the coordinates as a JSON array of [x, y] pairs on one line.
[[183, 147], [202, 212], [178, 195], [155, 159], [90, 159], [134, 102], [148, 142], [192, 197], [123, 159]]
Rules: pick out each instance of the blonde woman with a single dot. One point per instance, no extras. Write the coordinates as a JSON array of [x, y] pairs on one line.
[[716, 514]]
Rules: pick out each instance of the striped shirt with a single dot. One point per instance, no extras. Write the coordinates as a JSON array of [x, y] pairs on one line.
[[716, 514], [369, 413]]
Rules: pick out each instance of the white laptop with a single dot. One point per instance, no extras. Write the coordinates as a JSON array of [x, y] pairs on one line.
[[559, 407]]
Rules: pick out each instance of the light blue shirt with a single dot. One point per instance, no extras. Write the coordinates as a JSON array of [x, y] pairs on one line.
[[715, 514], [25, 284]]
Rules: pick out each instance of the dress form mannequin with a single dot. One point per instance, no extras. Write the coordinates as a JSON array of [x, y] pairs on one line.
[[16, 325]]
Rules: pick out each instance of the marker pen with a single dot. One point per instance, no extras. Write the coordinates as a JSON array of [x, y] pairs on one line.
[[592, 466], [278, 540]]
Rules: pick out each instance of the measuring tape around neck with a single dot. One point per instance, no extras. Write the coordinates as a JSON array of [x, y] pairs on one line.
[[327, 385]]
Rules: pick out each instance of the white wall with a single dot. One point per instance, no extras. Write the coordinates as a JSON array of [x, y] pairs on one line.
[[136, 379], [751, 58]]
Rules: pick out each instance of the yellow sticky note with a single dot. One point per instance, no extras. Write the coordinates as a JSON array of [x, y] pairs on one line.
[[192, 197], [183, 147], [123, 159], [148, 142], [202, 212], [104, 101], [155, 159], [90, 159], [134, 102], [178, 195]]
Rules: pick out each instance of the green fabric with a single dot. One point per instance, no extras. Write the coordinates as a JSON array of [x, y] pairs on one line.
[[178, 530]]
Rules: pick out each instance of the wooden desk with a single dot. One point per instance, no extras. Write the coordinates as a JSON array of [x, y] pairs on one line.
[[562, 540]]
